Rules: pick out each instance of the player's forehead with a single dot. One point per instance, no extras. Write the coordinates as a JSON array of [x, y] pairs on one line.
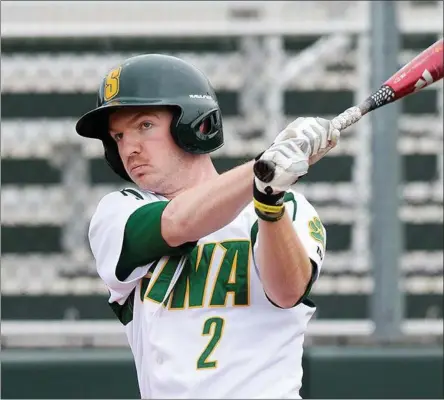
[[126, 115]]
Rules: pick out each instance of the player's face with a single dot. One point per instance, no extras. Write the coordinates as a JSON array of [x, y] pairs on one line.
[[148, 152]]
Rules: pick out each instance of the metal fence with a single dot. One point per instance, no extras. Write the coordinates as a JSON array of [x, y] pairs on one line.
[[269, 62]]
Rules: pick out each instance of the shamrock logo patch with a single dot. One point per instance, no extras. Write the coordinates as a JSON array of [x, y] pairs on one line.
[[317, 230]]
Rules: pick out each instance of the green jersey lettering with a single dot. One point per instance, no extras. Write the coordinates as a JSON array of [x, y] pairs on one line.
[[233, 275], [190, 289], [159, 287], [193, 279]]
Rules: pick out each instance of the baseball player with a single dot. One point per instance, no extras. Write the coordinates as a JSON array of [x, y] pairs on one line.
[[209, 273]]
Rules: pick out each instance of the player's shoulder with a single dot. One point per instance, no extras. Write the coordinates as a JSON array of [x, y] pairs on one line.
[[129, 193], [114, 208], [125, 197]]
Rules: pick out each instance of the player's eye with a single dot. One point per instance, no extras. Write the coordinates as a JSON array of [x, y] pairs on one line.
[[118, 136], [146, 125]]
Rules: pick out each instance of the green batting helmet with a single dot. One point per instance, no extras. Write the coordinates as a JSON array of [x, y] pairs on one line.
[[157, 80]]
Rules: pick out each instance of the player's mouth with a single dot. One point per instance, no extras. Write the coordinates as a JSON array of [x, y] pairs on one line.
[[137, 169]]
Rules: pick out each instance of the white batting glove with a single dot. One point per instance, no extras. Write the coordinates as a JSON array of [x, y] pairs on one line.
[[321, 134], [301, 144], [291, 159]]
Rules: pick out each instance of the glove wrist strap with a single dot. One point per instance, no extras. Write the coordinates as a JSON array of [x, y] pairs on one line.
[[269, 207], [270, 217]]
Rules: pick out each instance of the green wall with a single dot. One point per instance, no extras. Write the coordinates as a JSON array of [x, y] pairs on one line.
[[329, 372], [374, 373]]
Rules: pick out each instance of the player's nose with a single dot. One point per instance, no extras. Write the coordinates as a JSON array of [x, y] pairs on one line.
[[130, 145]]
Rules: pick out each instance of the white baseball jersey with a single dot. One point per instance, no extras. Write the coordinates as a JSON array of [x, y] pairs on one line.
[[197, 319]]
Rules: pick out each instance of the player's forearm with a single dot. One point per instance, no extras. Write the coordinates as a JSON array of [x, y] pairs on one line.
[[285, 267], [197, 212]]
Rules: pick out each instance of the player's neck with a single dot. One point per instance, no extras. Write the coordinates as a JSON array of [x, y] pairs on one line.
[[197, 174]]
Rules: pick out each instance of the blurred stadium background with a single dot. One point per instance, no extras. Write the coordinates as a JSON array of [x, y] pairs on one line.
[[269, 62]]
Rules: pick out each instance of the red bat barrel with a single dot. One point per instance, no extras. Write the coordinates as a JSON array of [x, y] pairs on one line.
[[426, 68]]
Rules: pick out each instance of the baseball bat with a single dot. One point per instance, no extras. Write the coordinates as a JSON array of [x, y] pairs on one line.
[[425, 69]]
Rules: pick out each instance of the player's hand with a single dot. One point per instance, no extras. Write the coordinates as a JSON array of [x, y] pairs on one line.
[[301, 144], [320, 133], [290, 158]]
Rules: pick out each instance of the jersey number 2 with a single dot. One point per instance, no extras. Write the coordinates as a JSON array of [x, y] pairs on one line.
[[213, 326]]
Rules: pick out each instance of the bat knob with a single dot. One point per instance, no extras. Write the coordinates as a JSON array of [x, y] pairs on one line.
[[264, 170]]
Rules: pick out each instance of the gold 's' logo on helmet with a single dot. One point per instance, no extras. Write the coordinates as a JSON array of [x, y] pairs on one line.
[[112, 84]]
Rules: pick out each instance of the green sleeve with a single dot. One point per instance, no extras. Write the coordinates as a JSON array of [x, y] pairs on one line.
[[143, 241]]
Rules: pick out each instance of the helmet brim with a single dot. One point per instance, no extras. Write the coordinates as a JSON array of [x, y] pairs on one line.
[[94, 124]]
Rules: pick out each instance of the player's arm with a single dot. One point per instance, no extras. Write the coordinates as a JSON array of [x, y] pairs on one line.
[[137, 232], [204, 209], [125, 236], [285, 267]]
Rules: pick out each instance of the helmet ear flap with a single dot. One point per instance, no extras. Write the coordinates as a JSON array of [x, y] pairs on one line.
[[200, 135], [113, 159], [208, 125]]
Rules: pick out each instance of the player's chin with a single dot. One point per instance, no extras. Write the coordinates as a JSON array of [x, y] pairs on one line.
[[140, 181], [139, 176], [145, 182]]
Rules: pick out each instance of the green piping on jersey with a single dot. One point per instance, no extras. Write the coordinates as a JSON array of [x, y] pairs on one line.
[[143, 241], [304, 298]]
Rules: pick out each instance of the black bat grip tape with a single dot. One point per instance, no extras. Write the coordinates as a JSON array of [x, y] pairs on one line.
[[264, 170]]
